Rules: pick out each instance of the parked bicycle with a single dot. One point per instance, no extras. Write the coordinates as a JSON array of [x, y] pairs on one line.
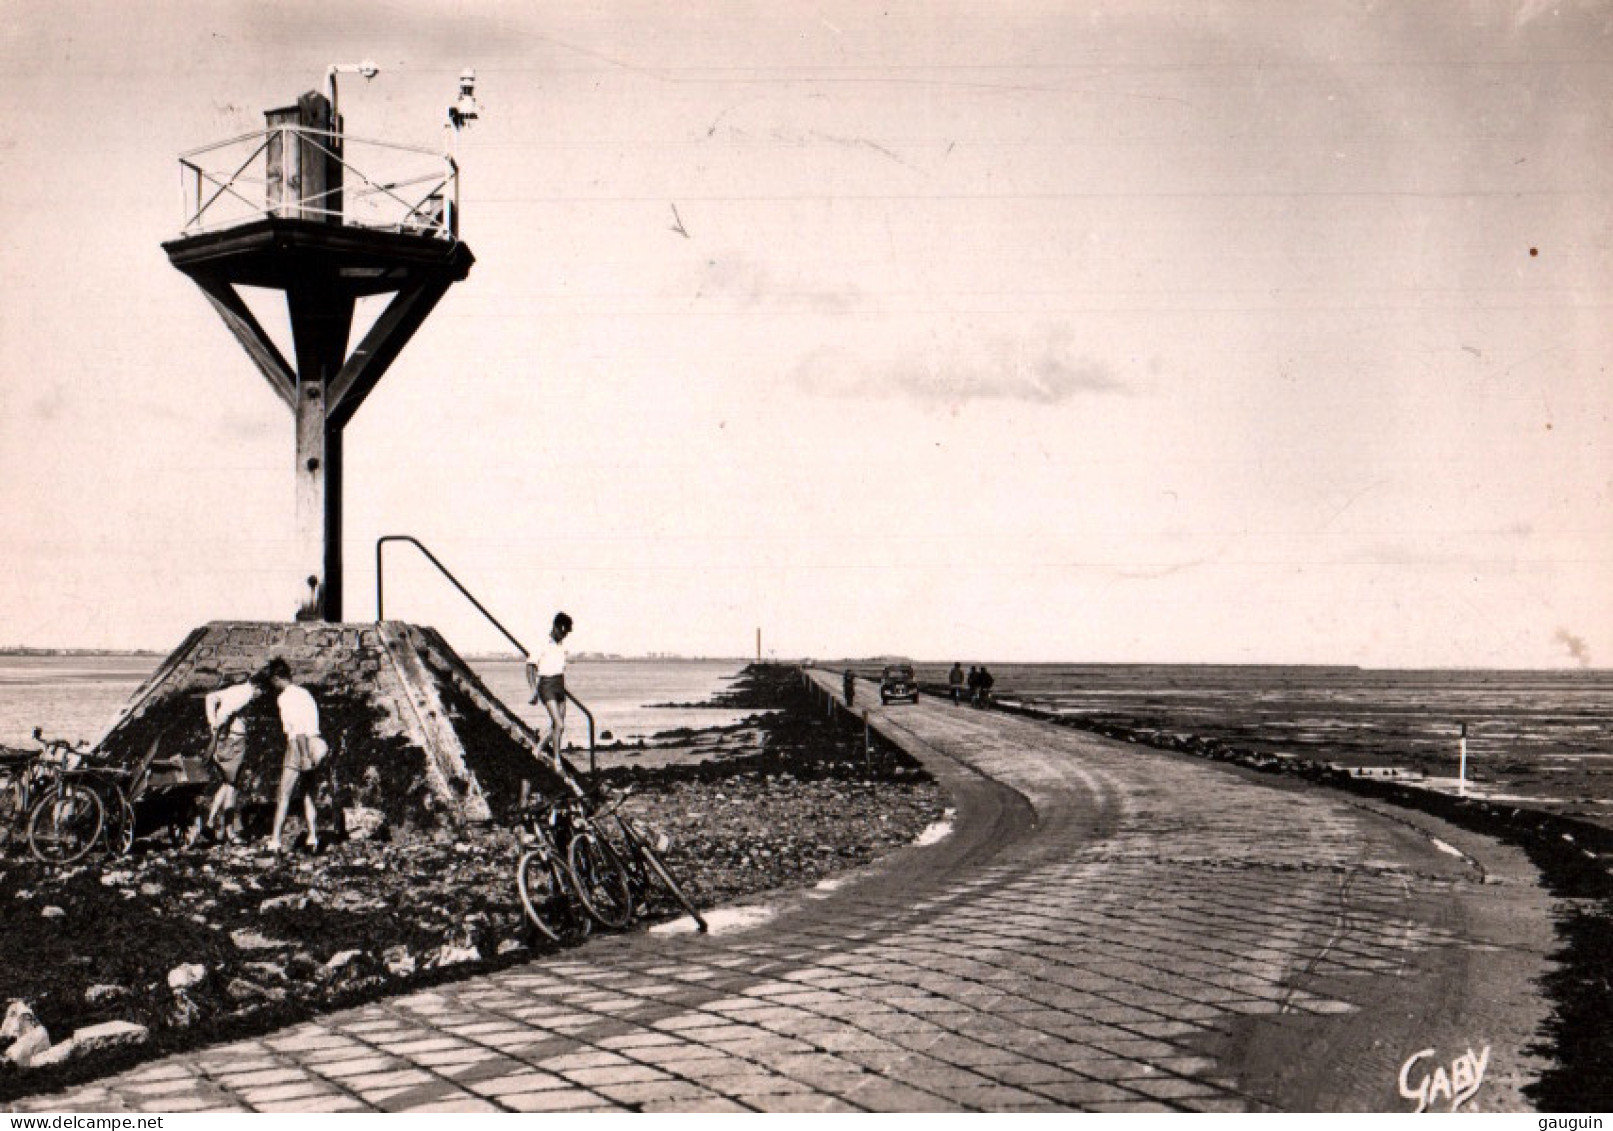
[[541, 876], [115, 788], [639, 856], [74, 800], [60, 817], [599, 874]]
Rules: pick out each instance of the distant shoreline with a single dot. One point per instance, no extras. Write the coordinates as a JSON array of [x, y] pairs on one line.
[[69, 653], [148, 653]]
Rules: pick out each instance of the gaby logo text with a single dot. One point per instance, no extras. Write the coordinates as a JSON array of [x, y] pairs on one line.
[[1457, 1087]]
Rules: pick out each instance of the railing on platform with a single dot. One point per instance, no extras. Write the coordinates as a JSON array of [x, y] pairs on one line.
[[403, 188], [380, 580], [380, 615]]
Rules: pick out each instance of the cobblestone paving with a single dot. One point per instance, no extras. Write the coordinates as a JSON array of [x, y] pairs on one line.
[[1116, 951]]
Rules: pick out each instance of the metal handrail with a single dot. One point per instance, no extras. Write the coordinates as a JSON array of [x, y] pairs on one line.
[[380, 615], [443, 182], [589, 715]]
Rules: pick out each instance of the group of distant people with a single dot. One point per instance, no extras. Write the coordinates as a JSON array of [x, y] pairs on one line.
[[979, 683]]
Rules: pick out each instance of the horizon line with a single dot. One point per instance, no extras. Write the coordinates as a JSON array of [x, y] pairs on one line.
[[25, 650]]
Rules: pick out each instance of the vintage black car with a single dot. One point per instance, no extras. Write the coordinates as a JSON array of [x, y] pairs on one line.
[[898, 682]]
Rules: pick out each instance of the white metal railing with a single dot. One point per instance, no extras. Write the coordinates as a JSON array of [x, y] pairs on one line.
[[385, 187]]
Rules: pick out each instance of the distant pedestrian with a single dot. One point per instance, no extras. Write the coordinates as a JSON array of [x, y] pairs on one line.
[[955, 681], [226, 719], [305, 750], [974, 684], [986, 684], [850, 686], [547, 677]]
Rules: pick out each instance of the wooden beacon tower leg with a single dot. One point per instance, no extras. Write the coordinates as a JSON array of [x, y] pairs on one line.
[[302, 248]]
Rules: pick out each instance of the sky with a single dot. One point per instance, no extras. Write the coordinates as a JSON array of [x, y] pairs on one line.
[[1087, 332]]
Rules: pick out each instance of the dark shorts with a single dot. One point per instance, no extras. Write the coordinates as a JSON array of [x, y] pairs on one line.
[[229, 754], [552, 688]]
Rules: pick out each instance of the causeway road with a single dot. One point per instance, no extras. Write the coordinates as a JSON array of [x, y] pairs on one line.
[[1102, 927]]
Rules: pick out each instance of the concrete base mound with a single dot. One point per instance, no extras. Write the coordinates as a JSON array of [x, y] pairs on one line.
[[412, 729]]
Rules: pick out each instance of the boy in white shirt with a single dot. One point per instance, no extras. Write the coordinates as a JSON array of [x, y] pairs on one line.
[[305, 750], [547, 678]]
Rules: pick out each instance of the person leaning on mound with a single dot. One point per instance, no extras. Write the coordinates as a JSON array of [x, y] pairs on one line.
[[226, 718], [305, 750], [547, 677]]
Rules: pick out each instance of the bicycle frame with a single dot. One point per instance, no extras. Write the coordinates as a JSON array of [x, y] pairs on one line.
[[65, 821]]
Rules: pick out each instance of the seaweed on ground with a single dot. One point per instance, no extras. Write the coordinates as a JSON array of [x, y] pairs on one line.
[[794, 738]]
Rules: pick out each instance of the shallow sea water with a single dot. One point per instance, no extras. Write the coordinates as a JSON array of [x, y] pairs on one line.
[[1539, 736], [1543, 734], [77, 697]]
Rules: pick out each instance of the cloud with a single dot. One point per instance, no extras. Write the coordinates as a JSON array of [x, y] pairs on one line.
[[999, 369], [752, 285], [1576, 646]]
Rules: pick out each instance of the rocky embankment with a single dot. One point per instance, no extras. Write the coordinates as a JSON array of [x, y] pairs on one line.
[[170, 948]]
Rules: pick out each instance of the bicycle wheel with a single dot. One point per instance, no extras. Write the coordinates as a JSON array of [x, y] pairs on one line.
[[600, 881], [547, 900], [657, 867], [65, 824]]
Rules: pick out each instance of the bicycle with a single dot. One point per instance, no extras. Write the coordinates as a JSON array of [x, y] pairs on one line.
[[542, 878], [641, 861], [598, 874], [65, 815], [617, 876], [88, 801], [116, 799]]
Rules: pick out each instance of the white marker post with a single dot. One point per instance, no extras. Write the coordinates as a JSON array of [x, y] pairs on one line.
[[1461, 777]]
